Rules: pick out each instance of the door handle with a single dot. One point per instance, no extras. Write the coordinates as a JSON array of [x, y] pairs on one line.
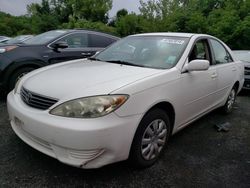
[[233, 68], [214, 75], [86, 53]]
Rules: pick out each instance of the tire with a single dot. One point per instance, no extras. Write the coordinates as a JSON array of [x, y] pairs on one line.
[[154, 129], [228, 107], [17, 75]]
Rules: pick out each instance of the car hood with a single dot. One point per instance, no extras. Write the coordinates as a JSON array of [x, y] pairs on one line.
[[5, 45], [84, 78], [19, 44]]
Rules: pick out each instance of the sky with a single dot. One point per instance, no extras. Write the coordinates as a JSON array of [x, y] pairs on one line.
[[18, 7]]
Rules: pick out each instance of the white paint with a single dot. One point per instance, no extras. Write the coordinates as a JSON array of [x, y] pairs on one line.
[[108, 139]]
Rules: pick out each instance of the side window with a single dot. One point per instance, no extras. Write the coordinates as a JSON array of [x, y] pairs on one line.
[[200, 51], [220, 53], [77, 40], [100, 41]]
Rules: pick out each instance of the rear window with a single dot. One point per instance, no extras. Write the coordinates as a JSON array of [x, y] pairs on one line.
[[100, 41]]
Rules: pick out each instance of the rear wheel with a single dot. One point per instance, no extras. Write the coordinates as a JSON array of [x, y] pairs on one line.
[[228, 107], [17, 75], [150, 138]]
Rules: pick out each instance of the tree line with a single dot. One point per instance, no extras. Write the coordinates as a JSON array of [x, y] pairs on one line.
[[228, 20]]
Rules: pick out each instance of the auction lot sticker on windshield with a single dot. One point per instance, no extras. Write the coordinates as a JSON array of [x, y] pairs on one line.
[[173, 41]]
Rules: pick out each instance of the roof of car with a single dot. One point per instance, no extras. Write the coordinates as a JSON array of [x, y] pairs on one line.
[[188, 35], [94, 31]]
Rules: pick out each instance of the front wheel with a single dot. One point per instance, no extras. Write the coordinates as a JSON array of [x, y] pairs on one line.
[[150, 138], [228, 107], [17, 75]]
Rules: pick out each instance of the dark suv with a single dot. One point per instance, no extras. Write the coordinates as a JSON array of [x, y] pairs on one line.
[[46, 49]]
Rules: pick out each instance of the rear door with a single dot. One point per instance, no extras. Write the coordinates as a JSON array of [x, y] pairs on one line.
[[226, 69], [80, 45]]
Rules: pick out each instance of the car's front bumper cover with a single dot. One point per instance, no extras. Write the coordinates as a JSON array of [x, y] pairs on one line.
[[85, 143]]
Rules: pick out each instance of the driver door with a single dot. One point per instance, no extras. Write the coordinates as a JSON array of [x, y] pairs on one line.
[[77, 48], [198, 87]]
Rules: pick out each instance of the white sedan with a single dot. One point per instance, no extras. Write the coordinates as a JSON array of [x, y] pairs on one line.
[[126, 101]]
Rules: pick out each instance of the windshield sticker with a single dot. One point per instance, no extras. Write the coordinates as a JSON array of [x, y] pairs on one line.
[[171, 60], [173, 41]]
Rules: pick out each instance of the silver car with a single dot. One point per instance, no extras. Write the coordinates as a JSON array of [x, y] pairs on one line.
[[244, 55]]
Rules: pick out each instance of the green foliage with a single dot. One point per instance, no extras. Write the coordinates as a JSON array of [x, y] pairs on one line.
[[228, 20], [11, 25], [82, 23], [225, 19], [93, 10], [121, 13], [222, 24], [242, 35], [129, 24]]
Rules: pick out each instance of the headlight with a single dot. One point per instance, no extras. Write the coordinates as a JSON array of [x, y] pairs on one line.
[[7, 48], [90, 107]]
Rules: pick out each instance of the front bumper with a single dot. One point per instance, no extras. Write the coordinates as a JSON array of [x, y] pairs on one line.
[[85, 143], [246, 85]]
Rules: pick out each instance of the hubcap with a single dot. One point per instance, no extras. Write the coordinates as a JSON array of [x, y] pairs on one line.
[[231, 99], [153, 139]]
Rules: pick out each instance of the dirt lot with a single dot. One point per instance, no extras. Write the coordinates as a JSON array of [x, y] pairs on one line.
[[198, 156]]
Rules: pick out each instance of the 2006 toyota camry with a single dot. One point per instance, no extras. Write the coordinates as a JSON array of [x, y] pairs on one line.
[[126, 101]]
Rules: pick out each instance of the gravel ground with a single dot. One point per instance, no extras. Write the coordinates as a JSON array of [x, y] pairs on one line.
[[198, 156]]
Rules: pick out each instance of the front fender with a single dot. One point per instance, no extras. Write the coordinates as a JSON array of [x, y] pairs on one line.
[[7, 71]]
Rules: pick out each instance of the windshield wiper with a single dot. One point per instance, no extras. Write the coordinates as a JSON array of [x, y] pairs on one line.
[[93, 59], [124, 63]]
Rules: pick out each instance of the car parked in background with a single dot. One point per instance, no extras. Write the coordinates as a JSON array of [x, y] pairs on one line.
[[127, 100], [4, 39], [17, 40], [244, 55], [47, 49]]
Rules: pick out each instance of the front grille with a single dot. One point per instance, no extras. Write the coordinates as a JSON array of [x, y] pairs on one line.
[[35, 100], [247, 70]]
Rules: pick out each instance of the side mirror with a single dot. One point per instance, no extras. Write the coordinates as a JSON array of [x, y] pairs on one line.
[[197, 65], [58, 45]]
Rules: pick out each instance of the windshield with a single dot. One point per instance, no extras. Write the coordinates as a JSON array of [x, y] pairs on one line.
[[145, 51], [4, 38], [45, 37], [243, 56], [18, 39]]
